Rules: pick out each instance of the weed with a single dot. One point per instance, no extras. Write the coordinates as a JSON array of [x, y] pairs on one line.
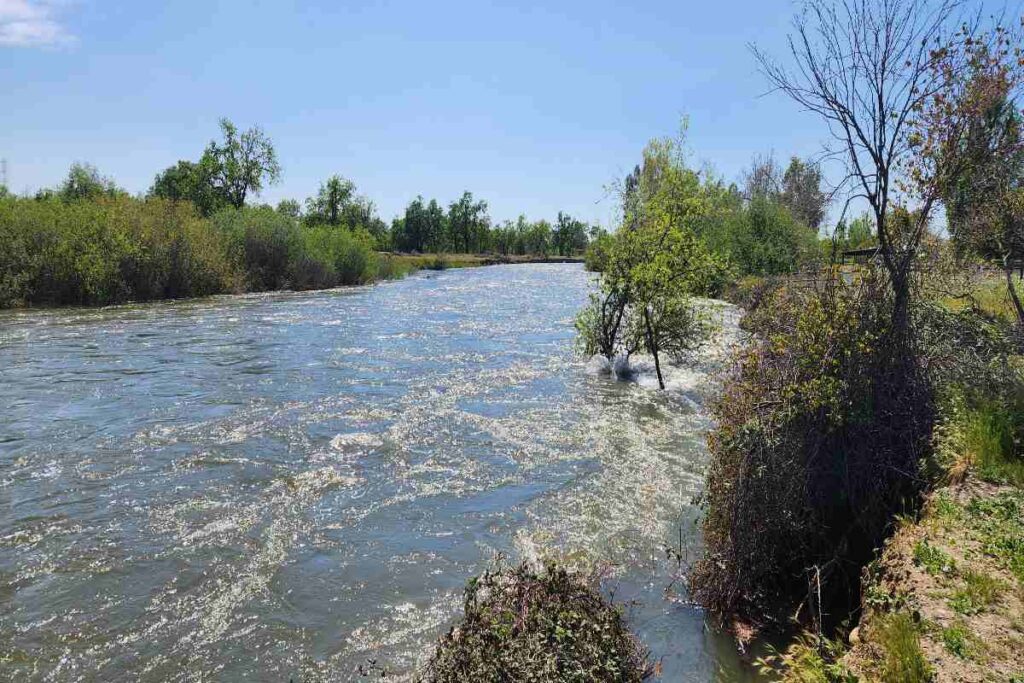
[[999, 523], [958, 641], [904, 662], [932, 559], [808, 660], [979, 591], [521, 625]]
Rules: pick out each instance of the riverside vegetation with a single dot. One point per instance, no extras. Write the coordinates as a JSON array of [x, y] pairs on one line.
[[195, 232], [864, 486], [873, 407]]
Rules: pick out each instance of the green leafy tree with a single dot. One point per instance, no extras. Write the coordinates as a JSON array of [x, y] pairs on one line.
[[187, 181], [467, 223], [802, 193], [655, 265], [332, 200], [241, 164], [570, 235], [85, 182], [290, 208]]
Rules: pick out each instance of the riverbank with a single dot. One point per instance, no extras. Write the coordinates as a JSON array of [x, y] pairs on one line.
[[945, 600], [118, 249]]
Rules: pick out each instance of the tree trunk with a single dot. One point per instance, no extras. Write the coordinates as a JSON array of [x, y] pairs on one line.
[[1013, 295], [652, 346]]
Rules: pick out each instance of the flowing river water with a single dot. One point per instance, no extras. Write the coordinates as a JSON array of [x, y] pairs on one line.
[[284, 486]]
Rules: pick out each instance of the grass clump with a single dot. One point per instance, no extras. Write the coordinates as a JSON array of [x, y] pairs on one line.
[[808, 659], [903, 660], [999, 523], [979, 592], [959, 642], [932, 559], [523, 625]]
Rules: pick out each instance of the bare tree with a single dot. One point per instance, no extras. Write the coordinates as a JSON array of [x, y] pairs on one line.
[[865, 67]]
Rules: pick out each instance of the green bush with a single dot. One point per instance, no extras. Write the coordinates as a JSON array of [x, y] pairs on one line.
[[107, 250], [112, 249], [819, 432], [264, 243], [551, 626]]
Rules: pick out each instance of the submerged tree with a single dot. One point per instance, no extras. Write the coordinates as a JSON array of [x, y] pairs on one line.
[[655, 265]]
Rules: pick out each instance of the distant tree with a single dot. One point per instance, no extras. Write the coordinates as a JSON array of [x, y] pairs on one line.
[[241, 164], [538, 238], [985, 196], [85, 182], [290, 208], [329, 205], [187, 181], [414, 228], [859, 234], [436, 227], [570, 235], [763, 179], [802, 194], [467, 219]]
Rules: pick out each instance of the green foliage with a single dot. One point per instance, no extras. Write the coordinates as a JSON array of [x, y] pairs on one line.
[[84, 182], [765, 239], [190, 182], [548, 627], [958, 642], [241, 164], [816, 449], [999, 523], [107, 250], [808, 659], [903, 661], [110, 250], [569, 236], [932, 559], [598, 253], [979, 592]]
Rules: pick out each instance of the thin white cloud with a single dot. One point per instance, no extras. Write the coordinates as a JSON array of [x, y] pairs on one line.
[[31, 23]]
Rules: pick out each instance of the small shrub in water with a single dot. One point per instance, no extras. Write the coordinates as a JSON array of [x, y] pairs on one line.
[[550, 626]]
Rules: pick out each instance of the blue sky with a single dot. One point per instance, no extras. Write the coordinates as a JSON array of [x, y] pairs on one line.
[[534, 107]]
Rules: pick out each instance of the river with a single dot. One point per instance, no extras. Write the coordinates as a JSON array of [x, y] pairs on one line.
[[285, 486]]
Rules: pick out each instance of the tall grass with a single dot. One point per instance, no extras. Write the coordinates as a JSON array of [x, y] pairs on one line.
[[903, 662], [116, 249]]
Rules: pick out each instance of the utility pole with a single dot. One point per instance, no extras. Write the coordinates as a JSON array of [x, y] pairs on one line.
[[3, 173]]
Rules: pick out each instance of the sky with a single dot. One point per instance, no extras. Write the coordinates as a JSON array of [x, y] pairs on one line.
[[534, 107]]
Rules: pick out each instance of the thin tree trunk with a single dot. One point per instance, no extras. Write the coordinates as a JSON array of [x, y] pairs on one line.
[[1013, 295], [653, 347]]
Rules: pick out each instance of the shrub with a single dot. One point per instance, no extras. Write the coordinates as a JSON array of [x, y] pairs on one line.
[[819, 433], [520, 625], [264, 243], [808, 659], [107, 250]]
